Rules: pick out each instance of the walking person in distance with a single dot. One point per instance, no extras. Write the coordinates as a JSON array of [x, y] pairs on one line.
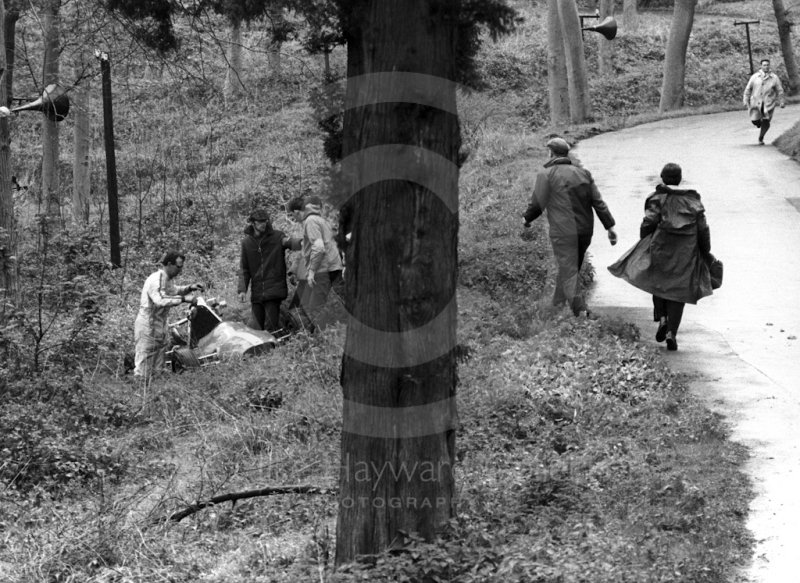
[[763, 92]]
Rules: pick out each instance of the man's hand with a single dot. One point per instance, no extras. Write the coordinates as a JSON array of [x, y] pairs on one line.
[[310, 278], [243, 297], [196, 287], [783, 105], [612, 236], [190, 299]]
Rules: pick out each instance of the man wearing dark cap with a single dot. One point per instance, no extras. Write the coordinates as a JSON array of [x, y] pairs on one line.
[[263, 270], [568, 193]]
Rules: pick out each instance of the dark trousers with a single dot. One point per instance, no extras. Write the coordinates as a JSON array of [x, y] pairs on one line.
[[762, 123], [669, 309], [318, 295], [300, 294], [569, 253], [266, 314]]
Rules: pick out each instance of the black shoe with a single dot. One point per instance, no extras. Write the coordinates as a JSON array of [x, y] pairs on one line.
[[760, 141], [661, 333], [672, 344]]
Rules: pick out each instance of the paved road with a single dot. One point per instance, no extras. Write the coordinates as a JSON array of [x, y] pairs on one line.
[[740, 343]]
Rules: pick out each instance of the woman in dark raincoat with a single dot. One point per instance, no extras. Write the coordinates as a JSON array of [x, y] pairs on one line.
[[671, 259]]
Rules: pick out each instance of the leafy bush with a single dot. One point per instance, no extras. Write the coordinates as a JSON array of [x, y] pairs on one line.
[[52, 441]]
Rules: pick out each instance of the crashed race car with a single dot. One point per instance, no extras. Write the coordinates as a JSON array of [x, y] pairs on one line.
[[202, 337]]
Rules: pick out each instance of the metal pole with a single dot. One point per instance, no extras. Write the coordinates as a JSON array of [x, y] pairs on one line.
[[747, 24], [111, 161], [749, 49]]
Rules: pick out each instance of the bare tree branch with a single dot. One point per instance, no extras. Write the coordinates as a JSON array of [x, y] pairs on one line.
[[234, 496]]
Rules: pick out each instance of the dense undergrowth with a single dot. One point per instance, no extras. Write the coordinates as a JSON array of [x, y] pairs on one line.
[[581, 457]]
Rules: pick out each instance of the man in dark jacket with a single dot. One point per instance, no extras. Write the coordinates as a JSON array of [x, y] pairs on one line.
[[568, 193], [263, 269], [673, 263]]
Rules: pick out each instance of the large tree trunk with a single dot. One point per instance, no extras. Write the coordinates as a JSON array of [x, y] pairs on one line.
[[81, 169], [785, 34], [556, 67], [50, 146], [10, 30], [580, 108], [233, 78], [675, 61], [630, 15], [606, 52], [398, 370], [8, 229]]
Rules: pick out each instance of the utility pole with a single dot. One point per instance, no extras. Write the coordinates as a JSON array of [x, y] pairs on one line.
[[747, 24], [111, 161]]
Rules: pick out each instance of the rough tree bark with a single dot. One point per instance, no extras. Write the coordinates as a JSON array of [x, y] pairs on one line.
[[233, 78], [8, 280], [630, 15], [556, 67], [675, 60], [580, 108], [10, 30], [607, 47], [50, 145], [398, 370], [82, 138], [785, 34]]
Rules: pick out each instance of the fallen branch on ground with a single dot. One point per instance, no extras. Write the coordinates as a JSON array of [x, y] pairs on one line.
[[234, 496]]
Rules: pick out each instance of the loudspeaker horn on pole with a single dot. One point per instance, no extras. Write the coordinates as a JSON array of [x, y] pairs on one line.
[[608, 28], [54, 103]]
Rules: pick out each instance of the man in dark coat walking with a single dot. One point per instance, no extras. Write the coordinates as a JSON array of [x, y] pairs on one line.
[[568, 193], [672, 257], [263, 269]]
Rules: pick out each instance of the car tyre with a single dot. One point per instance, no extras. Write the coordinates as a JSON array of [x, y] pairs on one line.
[[184, 358]]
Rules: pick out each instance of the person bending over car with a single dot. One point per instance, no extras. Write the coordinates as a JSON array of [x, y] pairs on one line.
[[159, 294], [263, 270]]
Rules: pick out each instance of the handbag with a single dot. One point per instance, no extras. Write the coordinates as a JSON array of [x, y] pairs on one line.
[[715, 269]]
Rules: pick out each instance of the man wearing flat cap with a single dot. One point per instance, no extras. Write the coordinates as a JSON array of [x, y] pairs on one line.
[[263, 270], [568, 193]]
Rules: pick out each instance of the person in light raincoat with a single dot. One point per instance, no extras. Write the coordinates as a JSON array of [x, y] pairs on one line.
[[321, 259], [671, 259], [763, 92], [159, 294]]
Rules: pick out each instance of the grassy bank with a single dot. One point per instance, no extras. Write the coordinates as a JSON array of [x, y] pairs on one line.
[[581, 457]]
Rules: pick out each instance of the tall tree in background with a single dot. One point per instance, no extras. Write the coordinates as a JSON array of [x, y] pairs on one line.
[[672, 87], [82, 139], [556, 67], [580, 108], [233, 77], [785, 35], [630, 15], [8, 229], [50, 144], [13, 11]]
